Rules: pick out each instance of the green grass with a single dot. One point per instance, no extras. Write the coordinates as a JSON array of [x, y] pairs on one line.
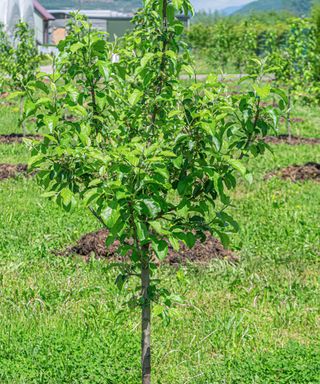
[[15, 153], [8, 119], [63, 321]]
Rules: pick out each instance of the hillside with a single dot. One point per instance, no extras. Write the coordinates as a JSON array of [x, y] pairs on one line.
[[297, 7]]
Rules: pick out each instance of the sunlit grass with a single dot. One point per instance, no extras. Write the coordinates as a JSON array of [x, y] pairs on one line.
[[64, 321]]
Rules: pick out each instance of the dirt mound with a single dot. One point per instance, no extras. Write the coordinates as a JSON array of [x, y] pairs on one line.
[[309, 171], [11, 170], [202, 253], [294, 140], [17, 138]]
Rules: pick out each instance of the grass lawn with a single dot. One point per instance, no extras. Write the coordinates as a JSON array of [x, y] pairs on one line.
[[64, 321]]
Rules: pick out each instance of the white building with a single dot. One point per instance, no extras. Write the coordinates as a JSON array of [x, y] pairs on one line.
[[115, 23], [12, 11], [50, 26]]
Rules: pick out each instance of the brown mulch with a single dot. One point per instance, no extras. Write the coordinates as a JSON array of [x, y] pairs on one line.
[[308, 171], [17, 138], [202, 253], [8, 171], [294, 140]]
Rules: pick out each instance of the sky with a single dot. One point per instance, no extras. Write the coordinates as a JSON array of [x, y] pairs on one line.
[[217, 4]]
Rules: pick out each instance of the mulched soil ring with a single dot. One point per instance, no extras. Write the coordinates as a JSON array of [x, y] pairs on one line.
[[309, 171], [8, 171], [202, 253], [17, 138], [294, 140]]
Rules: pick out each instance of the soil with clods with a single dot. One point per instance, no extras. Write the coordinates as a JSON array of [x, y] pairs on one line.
[[203, 253], [8, 171], [17, 138], [309, 171], [293, 140]]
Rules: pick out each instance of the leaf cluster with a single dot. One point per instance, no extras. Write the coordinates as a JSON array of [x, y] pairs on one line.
[[154, 159]]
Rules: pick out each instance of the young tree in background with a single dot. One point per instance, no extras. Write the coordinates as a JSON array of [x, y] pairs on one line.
[[244, 46], [20, 62], [293, 63], [4, 55]]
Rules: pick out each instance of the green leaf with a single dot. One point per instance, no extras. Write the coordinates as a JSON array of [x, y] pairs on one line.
[[236, 164], [142, 231], [174, 242], [41, 85], [190, 239], [110, 240], [264, 91], [29, 108], [184, 185], [224, 238], [110, 216], [104, 70], [152, 208], [229, 219], [135, 97], [66, 196], [160, 248], [121, 280], [99, 46], [156, 225], [177, 4], [75, 47], [146, 58]]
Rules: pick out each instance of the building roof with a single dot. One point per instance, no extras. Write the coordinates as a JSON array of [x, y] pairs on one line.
[[95, 14], [42, 11]]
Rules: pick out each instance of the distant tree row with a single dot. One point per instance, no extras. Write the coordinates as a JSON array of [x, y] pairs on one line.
[[230, 41], [289, 49]]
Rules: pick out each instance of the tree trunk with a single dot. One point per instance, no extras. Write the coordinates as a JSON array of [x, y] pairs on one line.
[[21, 116], [146, 323], [289, 116]]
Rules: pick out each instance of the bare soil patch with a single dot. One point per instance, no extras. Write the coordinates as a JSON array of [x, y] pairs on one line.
[[8, 171], [95, 244], [17, 138], [294, 140], [308, 171]]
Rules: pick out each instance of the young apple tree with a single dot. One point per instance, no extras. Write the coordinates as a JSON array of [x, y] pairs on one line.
[[245, 45], [221, 49], [4, 55], [293, 63], [152, 157], [20, 62]]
